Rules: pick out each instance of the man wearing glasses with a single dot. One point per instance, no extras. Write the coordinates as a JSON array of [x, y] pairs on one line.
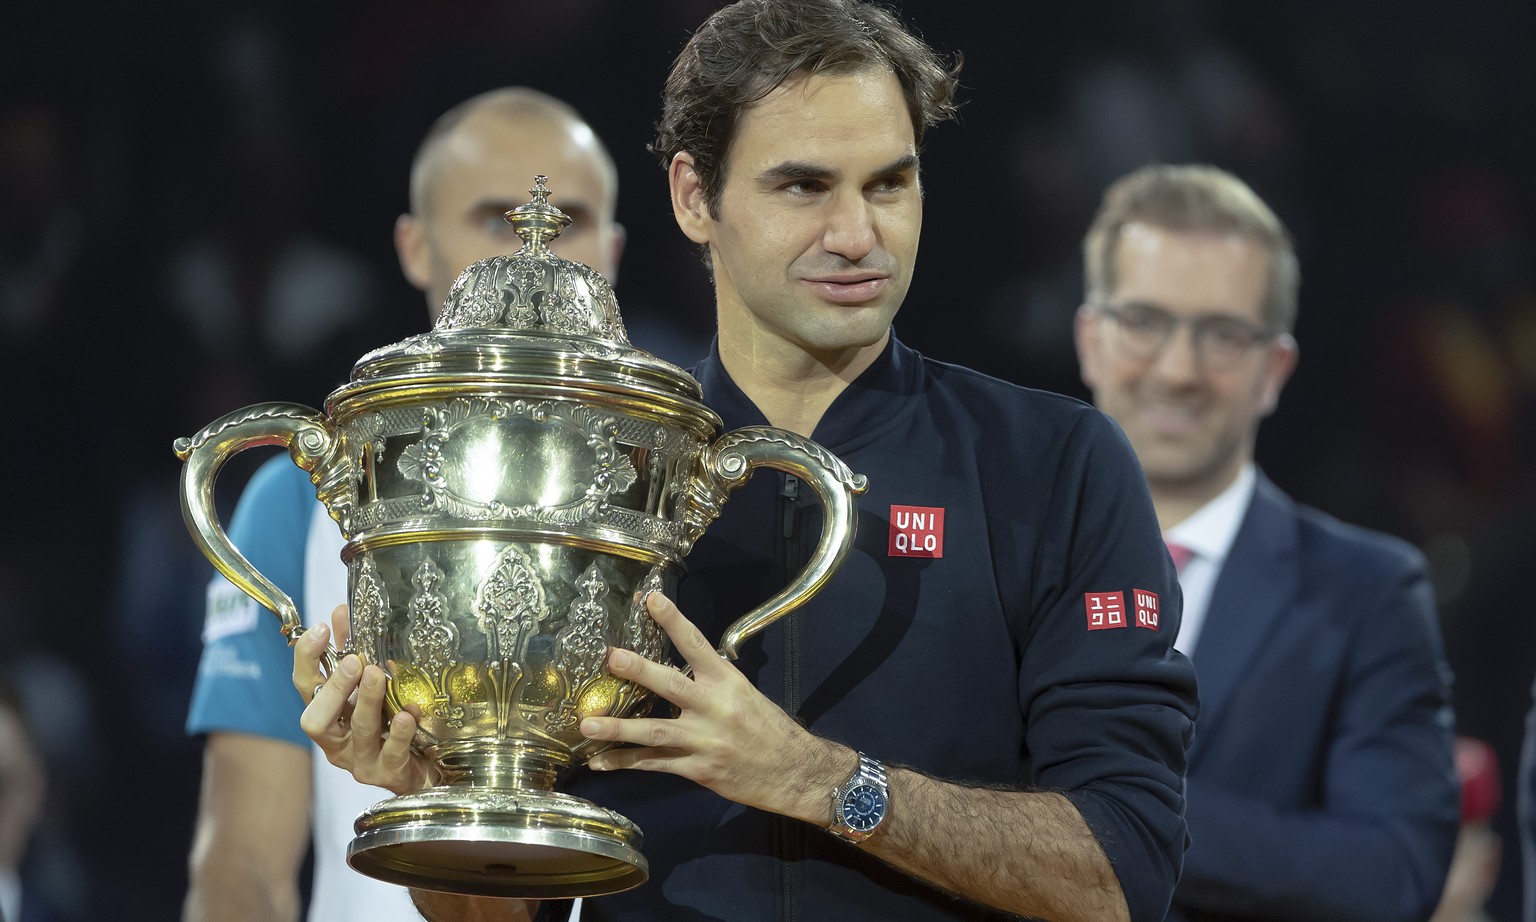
[[1321, 782]]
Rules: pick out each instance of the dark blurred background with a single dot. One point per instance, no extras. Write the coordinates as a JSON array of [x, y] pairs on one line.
[[196, 202]]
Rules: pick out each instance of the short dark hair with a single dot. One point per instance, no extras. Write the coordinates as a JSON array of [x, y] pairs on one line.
[[748, 49]]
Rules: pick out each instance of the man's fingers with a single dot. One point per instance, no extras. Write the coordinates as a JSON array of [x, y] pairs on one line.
[[665, 681], [644, 759], [650, 732], [396, 754], [341, 622], [321, 719], [368, 715], [689, 641], [307, 652]]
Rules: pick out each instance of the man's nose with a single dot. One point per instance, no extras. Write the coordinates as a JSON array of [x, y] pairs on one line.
[[850, 230], [1178, 361]]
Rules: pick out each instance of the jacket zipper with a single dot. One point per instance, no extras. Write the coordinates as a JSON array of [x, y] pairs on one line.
[[789, 833]]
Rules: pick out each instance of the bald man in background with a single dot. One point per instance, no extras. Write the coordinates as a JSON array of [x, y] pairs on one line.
[[265, 796]]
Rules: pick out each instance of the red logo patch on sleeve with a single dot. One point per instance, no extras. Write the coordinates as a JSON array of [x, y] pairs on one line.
[[1146, 608], [917, 531], [1105, 610]]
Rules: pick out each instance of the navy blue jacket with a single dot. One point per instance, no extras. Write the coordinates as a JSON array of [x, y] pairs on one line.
[[977, 666], [1321, 783]]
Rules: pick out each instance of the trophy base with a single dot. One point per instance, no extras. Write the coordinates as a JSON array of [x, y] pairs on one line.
[[491, 842]]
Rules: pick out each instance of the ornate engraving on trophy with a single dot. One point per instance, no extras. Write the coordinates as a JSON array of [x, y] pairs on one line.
[[450, 460], [510, 604], [577, 300], [494, 801], [476, 301], [369, 604], [509, 607], [526, 290], [422, 344], [615, 473], [582, 647], [642, 526], [568, 310], [433, 641], [368, 432], [524, 294], [367, 429], [644, 635], [641, 633]]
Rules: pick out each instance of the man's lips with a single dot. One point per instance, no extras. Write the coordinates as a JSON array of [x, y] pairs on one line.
[[849, 289], [1171, 419]]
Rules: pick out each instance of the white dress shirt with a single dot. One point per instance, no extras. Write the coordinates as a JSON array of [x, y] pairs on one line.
[[10, 894], [1208, 536]]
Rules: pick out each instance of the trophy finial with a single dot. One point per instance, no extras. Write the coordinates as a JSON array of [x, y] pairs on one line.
[[538, 222], [540, 191]]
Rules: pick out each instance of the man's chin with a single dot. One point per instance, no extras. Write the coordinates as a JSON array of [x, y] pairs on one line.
[[1176, 470], [850, 338], [1201, 478]]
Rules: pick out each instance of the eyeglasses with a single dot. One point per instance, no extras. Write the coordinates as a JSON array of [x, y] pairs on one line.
[[1220, 340]]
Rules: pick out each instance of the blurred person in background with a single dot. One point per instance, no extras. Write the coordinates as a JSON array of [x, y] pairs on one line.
[[1526, 805], [1479, 849], [29, 886], [1321, 782], [23, 789], [266, 797]]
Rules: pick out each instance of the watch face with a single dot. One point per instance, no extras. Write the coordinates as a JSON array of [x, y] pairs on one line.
[[863, 807]]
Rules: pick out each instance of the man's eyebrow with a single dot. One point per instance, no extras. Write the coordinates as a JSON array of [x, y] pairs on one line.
[[492, 206], [793, 171], [906, 163], [801, 170]]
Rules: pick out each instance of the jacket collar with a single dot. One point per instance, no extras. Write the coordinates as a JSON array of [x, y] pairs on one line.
[[862, 411], [1255, 589]]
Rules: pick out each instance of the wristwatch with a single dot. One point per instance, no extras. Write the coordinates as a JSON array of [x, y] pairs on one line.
[[861, 804]]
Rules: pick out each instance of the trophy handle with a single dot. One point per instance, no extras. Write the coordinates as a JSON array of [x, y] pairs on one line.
[[728, 462], [312, 442]]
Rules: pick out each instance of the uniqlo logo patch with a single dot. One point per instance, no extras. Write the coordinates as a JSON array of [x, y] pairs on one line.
[[1105, 610], [1146, 608], [917, 531]]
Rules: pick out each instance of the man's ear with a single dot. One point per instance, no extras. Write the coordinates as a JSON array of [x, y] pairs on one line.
[[616, 240], [688, 205], [1280, 364], [411, 248]]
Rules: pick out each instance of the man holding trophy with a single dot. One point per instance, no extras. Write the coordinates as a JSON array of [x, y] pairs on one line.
[[982, 713]]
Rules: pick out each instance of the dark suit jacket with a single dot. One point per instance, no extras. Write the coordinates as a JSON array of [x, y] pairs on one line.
[[35, 907], [1525, 805], [54, 888], [1321, 783]]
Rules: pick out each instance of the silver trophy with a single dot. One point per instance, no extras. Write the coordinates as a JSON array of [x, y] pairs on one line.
[[510, 485]]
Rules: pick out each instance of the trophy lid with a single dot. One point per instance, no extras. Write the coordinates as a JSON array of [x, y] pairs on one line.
[[530, 317], [533, 290]]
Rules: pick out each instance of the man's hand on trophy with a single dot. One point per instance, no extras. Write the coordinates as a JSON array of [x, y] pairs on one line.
[[726, 736], [345, 716]]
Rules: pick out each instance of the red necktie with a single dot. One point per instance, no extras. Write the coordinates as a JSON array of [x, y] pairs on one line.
[[1180, 554]]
